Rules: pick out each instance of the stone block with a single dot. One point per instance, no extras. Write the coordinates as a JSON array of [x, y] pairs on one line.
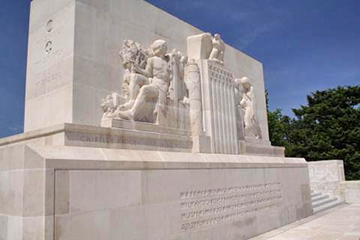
[[11, 192], [325, 176], [38, 228], [3, 227], [350, 191], [100, 190], [15, 228], [12, 158], [62, 191], [38, 193]]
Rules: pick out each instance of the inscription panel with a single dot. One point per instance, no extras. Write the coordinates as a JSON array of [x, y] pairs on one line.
[[205, 208], [50, 54], [134, 141]]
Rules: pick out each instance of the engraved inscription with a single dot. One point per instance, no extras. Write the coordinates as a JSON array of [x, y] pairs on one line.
[[49, 26], [133, 140], [48, 77], [48, 47], [203, 208]]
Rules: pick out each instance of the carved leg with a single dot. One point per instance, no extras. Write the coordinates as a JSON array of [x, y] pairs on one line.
[[136, 82], [144, 106], [221, 56], [214, 54]]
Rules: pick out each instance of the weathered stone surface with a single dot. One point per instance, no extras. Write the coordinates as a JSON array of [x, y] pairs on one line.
[[73, 57], [173, 159], [350, 191], [151, 194], [325, 176], [341, 223]]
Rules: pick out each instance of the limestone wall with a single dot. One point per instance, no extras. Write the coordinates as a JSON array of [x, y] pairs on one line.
[[325, 176], [71, 193], [50, 64], [73, 66], [350, 191]]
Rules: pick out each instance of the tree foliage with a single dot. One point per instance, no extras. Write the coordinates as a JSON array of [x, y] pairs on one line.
[[328, 127]]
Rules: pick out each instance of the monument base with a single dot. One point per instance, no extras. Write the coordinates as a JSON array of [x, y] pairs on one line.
[[60, 192], [119, 134]]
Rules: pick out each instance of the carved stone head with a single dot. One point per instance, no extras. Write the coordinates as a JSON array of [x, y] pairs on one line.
[[246, 83], [159, 48], [108, 104]]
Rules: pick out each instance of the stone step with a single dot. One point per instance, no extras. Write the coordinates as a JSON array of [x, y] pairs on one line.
[[323, 202], [327, 206], [319, 197], [315, 194]]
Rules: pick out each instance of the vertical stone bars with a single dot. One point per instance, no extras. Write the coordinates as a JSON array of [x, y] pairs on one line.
[[219, 116], [228, 119], [220, 93], [216, 131], [232, 116]]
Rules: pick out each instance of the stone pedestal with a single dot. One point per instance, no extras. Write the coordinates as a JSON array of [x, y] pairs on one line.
[[62, 192]]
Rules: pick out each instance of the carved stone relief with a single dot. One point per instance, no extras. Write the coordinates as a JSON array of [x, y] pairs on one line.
[[218, 49], [247, 106], [158, 87], [151, 78], [205, 46], [193, 83]]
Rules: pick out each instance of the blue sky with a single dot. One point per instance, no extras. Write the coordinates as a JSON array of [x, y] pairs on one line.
[[305, 45]]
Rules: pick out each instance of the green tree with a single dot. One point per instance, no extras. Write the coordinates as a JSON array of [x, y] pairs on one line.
[[279, 125], [327, 128]]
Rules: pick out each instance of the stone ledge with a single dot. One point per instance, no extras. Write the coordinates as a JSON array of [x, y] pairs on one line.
[[142, 126], [132, 136], [44, 132], [64, 157]]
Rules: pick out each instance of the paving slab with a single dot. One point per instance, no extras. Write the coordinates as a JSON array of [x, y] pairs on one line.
[[339, 223]]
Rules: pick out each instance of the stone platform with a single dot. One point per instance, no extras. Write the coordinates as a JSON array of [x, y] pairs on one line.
[[59, 192]]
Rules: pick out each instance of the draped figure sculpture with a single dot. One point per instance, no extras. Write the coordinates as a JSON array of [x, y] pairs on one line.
[[248, 105]]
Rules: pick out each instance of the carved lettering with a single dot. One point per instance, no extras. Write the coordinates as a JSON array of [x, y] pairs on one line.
[[203, 208], [133, 140]]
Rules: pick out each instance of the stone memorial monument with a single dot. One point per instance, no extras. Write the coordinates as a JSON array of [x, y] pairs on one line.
[[136, 130]]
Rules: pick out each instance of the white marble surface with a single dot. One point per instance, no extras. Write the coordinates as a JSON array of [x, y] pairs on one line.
[[350, 191], [325, 176], [83, 65], [106, 193], [49, 78]]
